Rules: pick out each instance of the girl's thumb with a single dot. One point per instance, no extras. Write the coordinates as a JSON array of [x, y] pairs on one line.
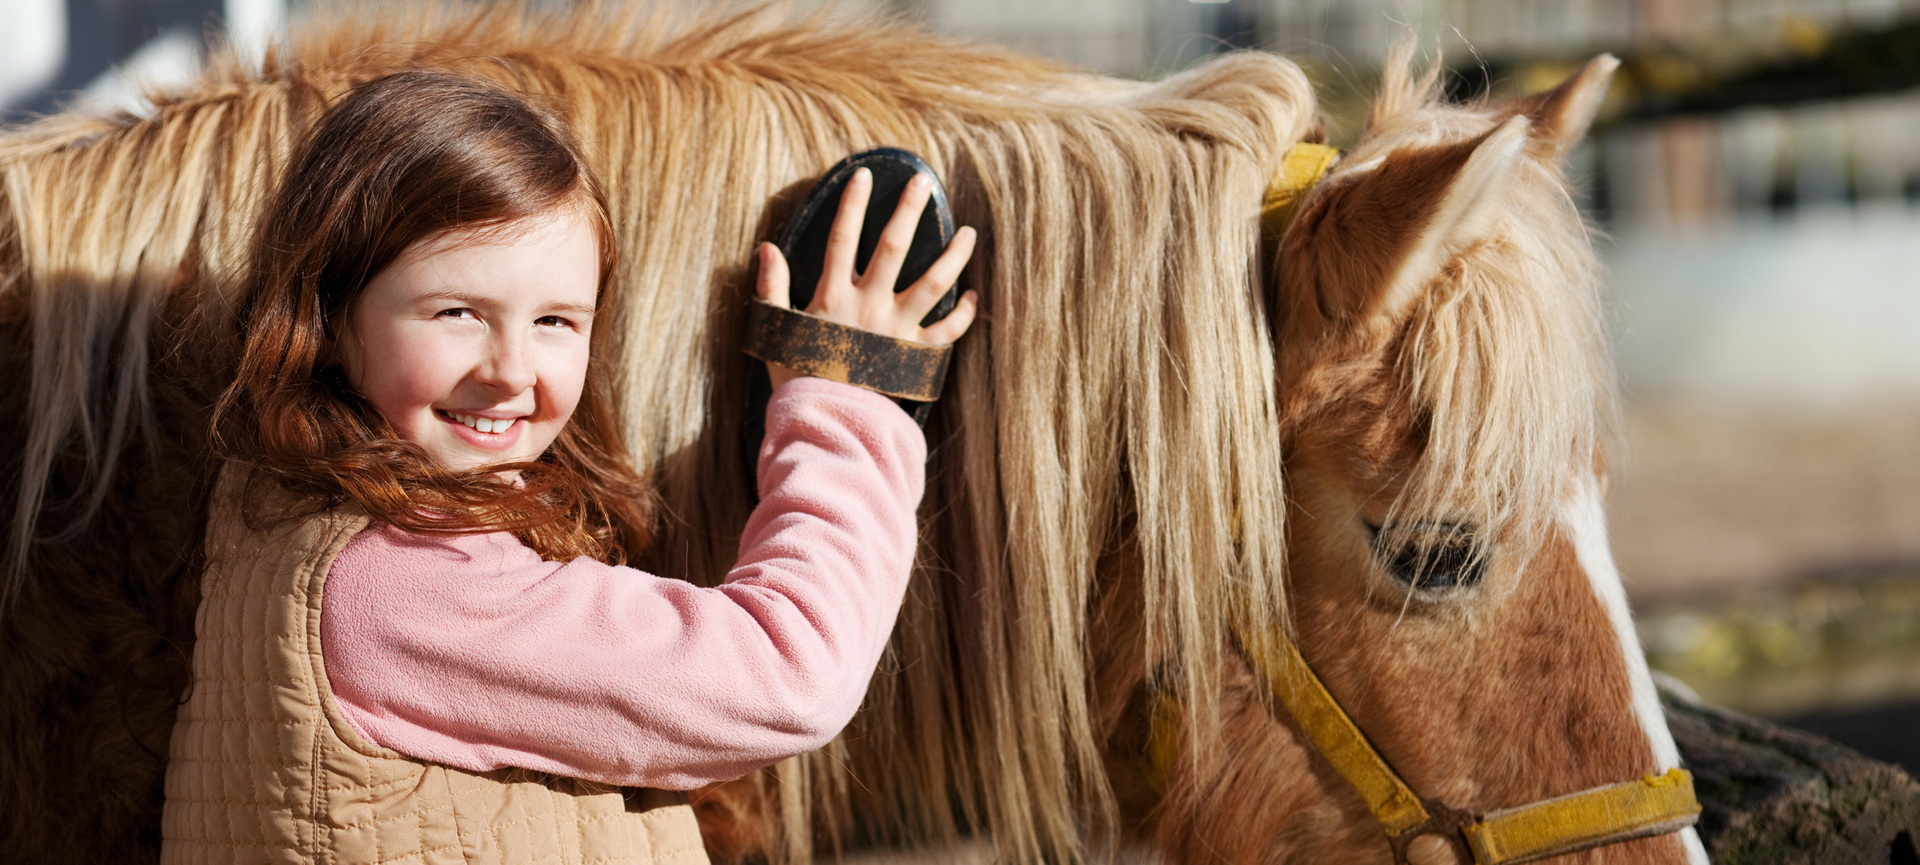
[[772, 286]]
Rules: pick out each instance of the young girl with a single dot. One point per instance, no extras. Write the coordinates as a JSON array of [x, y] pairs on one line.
[[411, 643]]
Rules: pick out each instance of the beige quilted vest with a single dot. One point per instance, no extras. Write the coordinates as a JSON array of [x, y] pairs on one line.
[[264, 768]]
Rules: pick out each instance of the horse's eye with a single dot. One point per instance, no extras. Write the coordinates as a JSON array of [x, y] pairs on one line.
[[1429, 555]]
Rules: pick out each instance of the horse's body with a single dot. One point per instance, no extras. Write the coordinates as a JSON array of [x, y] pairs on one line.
[[1105, 493]]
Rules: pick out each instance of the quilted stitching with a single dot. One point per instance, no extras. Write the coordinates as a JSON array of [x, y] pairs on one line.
[[259, 771]]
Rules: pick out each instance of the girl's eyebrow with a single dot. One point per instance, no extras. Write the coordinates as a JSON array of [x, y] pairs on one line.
[[456, 296], [575, 308], [444, 294]]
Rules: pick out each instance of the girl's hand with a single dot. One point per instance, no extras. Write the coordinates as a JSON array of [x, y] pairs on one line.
[[867, 300]]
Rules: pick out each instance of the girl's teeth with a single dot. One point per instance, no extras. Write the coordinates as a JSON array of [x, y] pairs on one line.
[[485, 425]]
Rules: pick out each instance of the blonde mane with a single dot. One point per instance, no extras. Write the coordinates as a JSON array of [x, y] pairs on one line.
[[1123, 375]]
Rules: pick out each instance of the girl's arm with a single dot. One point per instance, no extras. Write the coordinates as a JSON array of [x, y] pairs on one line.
[[471, 651]]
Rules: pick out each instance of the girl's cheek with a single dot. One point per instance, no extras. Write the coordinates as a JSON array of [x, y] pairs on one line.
[[563, 363], [566, 396], [411, 372]]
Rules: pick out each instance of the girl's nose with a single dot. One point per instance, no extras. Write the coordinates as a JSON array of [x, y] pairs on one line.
[[506, 368]]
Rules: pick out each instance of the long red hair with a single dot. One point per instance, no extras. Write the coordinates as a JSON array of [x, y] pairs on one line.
[[400, 160]]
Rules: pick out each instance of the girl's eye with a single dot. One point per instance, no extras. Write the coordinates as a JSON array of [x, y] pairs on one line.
[[553, 321], [461, 312]]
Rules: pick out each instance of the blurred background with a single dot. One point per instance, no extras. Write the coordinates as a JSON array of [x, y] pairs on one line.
[[1756, 178]]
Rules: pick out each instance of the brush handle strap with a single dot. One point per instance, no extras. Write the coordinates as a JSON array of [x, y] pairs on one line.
[[815, 346]]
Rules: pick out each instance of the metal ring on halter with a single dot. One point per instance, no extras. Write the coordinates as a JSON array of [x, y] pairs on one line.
[[1443, 821]]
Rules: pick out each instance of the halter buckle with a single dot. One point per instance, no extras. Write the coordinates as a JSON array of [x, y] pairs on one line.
[[1443, 821]]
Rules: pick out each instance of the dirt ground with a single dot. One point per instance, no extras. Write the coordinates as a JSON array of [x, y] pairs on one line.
[[1706, 501]]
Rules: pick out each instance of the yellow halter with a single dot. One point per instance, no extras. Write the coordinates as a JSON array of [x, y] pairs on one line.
[[1651, 805], [1300, 169]]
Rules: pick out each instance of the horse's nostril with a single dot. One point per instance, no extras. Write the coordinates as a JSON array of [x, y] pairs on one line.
[[1429, 555]]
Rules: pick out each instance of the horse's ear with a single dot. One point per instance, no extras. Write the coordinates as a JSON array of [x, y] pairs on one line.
[[1365, 245], [1561, 116]]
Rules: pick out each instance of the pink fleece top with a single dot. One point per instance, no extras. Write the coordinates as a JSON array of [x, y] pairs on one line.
[[473, 652]]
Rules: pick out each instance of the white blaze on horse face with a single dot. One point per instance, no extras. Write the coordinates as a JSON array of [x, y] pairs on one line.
[[1586, 520]]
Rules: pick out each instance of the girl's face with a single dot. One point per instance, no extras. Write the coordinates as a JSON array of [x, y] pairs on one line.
[[475, 348]]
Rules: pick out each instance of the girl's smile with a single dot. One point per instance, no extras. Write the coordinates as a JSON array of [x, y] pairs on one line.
[[474, 345], [482, 431]]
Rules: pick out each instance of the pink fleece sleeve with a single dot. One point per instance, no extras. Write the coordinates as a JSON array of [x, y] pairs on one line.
[[471, 651]]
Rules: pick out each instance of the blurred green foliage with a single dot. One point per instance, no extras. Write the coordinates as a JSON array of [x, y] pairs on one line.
[[1818, 645]]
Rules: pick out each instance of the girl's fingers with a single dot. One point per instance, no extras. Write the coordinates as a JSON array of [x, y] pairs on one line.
[[843, 240], [773, 285], [897, 237], [949, 329], [874, 305], [940, 276]]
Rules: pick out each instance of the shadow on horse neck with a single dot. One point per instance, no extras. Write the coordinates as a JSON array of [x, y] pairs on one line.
[[1444, 396]]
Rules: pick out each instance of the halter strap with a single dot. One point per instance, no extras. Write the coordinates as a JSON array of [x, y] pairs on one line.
[[1300, 169], [1335, 735], [1650, 805]]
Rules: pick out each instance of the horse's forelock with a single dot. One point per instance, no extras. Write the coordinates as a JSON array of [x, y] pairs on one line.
[[1505, 352]]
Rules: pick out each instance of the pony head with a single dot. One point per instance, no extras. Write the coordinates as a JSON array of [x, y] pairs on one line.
[[1445, 392]]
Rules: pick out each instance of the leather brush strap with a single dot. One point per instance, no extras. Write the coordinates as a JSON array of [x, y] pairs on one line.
[[818, 347]]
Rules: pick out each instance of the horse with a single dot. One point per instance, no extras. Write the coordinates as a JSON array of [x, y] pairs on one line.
[[1105, 502], [1445, 398]]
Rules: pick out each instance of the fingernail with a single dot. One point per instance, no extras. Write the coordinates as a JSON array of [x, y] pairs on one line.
[[920, 179], [862, 174]]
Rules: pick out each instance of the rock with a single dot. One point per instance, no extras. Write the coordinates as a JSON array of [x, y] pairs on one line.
[[1772, 795]]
